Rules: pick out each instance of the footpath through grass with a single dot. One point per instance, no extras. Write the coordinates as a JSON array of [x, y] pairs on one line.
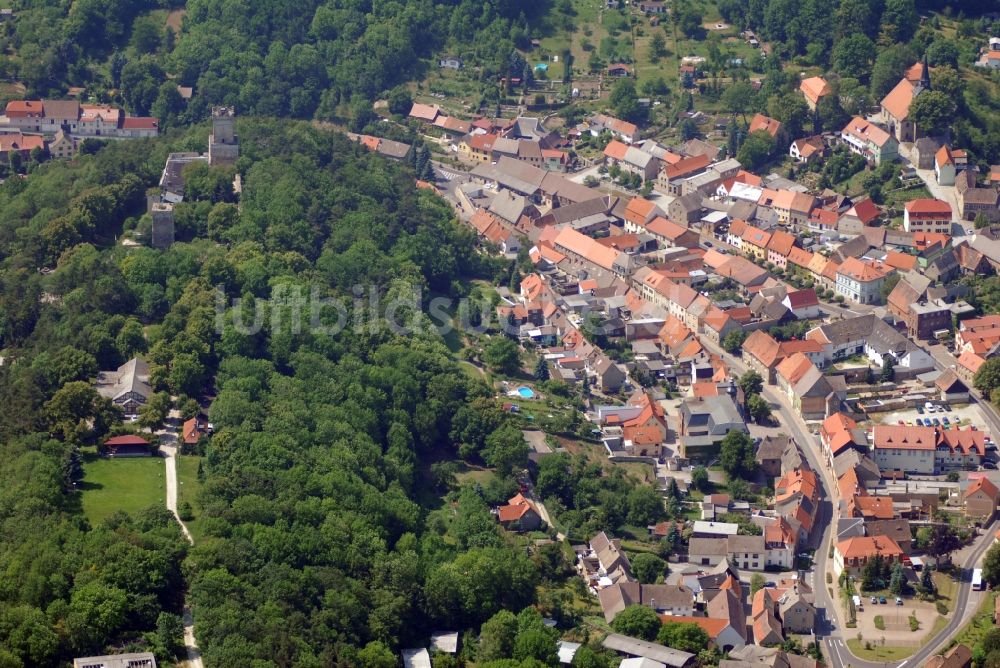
[[188, 487], [129, 484]]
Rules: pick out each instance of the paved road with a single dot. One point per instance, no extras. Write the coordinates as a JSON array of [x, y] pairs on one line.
[[833, 642], [168, 448]]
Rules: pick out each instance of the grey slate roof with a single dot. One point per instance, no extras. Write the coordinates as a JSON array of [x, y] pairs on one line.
[[636, 647]]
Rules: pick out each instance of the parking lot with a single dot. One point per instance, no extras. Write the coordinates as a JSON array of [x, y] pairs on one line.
[[964, 415]]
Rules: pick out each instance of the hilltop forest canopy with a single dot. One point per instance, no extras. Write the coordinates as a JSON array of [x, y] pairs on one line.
[[299, 58], [316, 484]]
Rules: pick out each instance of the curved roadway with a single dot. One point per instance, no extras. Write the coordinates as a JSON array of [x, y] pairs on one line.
[[828, 627]]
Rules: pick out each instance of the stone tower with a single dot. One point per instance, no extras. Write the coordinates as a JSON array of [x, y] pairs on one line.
[[163, 224], [223, 143]]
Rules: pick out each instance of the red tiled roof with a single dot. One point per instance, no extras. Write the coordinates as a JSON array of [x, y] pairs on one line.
[[765, 123], [128, 439], [925, 206], [140, 123]]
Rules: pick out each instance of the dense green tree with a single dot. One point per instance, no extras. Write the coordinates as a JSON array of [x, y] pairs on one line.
[[699, 478], [400, 101], [648, 568], [759, 408], [751, 382], [853, 56], [987, 378], [645, 506], [683, 636], [756, 150], [502, 355], [899, 20], [624, 102], [737, 454], [154, 413], [932, 111], [506, 449], [733, 341], [739, 98], [943, 52], [897, 582], [991, 565], [637, 621]]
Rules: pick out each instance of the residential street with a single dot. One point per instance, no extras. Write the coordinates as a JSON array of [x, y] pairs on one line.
[[828, 626]]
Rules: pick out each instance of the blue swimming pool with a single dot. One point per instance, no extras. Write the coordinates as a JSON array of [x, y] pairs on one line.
[[526, 392]]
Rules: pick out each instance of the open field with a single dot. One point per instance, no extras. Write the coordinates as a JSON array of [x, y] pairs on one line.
[[129, 483]]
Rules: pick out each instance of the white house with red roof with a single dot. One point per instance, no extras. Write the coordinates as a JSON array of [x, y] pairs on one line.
[[804, 304], [927, 215], [519, 514]]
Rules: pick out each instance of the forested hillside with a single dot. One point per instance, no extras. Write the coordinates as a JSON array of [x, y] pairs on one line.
[[295, 58], [316, 485]]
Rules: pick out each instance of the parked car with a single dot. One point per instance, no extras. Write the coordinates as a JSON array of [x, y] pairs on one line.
[[920, 409], [874, 600], [989, 465], [920, 423], [899, 601], [936, 422], [902, 422], [945, 421], [881, 599]]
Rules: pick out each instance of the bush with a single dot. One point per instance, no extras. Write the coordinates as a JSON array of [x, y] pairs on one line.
[[914, 623], [879, 623], [185, 511], [941, 608]]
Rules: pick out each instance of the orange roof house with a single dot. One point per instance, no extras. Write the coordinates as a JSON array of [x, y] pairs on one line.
[[531, 287], [814, 89], [615, 150], [792, 369], [836, 433], [765, 123], [900, 261], [424, 112], [853, 553], [640, 211], [863, 271], [519, 513]]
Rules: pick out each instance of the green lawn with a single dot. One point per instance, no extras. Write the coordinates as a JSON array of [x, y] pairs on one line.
[[979, 625], [128, 484], [879, 653], [188, 487]]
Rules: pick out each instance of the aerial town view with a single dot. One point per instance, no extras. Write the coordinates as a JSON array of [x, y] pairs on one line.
[[500, 334]]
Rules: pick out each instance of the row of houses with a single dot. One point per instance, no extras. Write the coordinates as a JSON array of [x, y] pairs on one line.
[[48, 117]]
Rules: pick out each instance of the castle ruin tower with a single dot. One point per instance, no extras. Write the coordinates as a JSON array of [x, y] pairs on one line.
[[162, 214], [223, 144]]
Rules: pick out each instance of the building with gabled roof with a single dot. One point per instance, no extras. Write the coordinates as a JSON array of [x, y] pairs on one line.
[[765, 123], [861, 280], [815, 89], [128, 386], [869, 141], [519, 514], [927, 215], [981, 499], [895, 106], [853, 553], [665, 599]]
